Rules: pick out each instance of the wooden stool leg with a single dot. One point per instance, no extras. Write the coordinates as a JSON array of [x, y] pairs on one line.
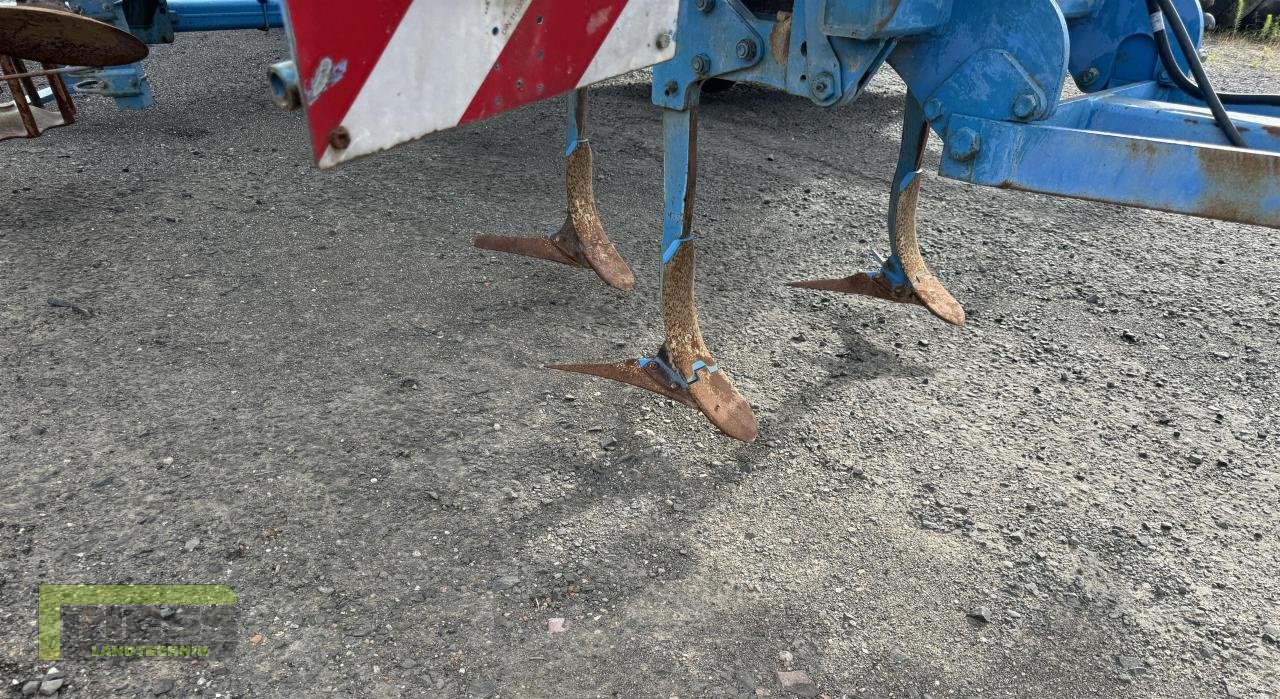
[[7, 67]]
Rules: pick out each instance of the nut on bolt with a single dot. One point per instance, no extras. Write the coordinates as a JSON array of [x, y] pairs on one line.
[[339, 138], [965, 145], [705, 5], [933, 109], [1025, 105], [747, 50], [663, 41], [701, 64], [823, 86]]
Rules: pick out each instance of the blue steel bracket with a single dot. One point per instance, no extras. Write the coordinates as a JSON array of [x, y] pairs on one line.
[[882, 19], [1132, 147], [800, 59], [713, 38], [1000, 60], [1112, 46], [127, 84]]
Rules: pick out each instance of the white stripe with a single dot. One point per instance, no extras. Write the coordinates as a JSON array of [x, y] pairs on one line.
[[632, 43], [430, 71]]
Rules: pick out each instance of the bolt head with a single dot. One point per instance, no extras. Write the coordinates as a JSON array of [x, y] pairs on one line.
[[747, 50], [1025, 105], [705, 5], [340, 138], [671, 88], [701, 64], [933, 109], [663, 41], [1089, 77], [823, 86], [965, 145]]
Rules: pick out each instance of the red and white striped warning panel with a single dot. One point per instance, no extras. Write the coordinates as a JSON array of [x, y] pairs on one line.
[[377, 73]]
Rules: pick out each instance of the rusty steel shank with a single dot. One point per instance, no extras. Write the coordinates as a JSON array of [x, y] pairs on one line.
[[581, 241], [904, 277]]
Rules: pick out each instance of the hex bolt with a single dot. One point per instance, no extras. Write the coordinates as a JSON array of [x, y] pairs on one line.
[[965, 145], [663, 41], [671, 88], [1089, 77], [823, 86], [747, 50], [1025, 105], [933, 109], [705, 6], [340, 138], [701, 64]]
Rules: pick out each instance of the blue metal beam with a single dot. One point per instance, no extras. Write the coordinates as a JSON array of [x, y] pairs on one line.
[[221, 15]]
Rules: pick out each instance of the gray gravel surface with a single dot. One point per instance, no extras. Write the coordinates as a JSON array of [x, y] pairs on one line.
[[310, 387]]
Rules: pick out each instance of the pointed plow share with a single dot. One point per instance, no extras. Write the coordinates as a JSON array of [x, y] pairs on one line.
[[985, 77]]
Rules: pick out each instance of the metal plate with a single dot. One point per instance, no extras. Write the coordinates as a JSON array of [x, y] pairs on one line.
[[382, 72], [54, 36]]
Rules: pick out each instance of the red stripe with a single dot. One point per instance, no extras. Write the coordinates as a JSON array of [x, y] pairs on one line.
[[357, 32], [546, 55]]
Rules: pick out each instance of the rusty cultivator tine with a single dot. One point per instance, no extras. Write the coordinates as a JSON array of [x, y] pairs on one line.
[[904, 277], [683, 368], [581, 241]]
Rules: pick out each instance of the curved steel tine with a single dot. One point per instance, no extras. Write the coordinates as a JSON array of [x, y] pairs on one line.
[[904, 277], [581, 241]]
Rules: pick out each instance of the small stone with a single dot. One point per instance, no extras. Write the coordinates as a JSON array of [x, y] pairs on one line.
[[1017, 537], [167, 461], [50, 687], [982, 614], [555, 625], [505, 582], [191, 544], [1271, 633], [785, 658], [898, 656], [797, 682], [1131, 664], [162, 687], [30, 688], [325, 590], [1129, 336], [1195, 459], [608, 443]]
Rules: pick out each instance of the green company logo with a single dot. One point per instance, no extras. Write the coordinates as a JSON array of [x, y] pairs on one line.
[[54, 597]]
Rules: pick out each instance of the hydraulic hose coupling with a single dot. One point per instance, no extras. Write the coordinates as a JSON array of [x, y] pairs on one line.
[[284, 85]]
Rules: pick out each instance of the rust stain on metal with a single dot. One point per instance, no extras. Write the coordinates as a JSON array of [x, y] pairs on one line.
[[1272, 130], [1242, 181], [780, 38]]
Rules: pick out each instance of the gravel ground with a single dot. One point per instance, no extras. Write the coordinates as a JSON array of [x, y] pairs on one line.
[[310, 387]]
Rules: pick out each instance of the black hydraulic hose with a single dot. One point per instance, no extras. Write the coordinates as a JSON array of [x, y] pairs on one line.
[[1183, 83], [1189, 50]]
